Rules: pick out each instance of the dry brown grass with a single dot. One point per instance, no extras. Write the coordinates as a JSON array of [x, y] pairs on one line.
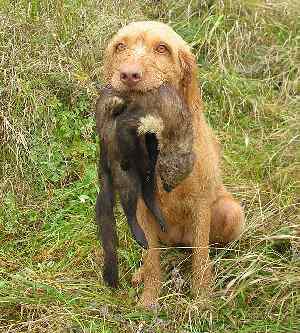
[[50, 281]]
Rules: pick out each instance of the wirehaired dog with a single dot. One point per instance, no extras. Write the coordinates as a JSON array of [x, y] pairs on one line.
[[143, 56]]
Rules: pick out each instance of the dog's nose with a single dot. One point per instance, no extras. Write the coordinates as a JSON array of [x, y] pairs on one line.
[[130, 75]]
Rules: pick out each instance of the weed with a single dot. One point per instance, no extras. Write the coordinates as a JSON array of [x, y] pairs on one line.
[[50, 258]]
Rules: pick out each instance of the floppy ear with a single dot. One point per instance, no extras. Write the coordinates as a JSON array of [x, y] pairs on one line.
[[188, 64], [107, 58], [189, 82]]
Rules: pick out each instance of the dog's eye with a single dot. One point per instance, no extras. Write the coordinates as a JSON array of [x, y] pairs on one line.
[[161, 48], [120, 47]]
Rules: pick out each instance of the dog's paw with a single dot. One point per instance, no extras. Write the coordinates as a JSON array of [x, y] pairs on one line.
[[149, 301], [151, 305], [138, 277], [203, 300]]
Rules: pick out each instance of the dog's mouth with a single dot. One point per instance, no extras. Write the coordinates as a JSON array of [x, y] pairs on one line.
[[146, 83], [139, 88]]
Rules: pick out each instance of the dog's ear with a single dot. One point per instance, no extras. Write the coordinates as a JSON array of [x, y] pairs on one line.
[[107, 59], [188, 66], [189, 82]]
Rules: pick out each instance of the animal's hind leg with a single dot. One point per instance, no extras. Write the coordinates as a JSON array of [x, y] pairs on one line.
[[227, 219], [107, 231], [150, 271], [106, 222], [149, 186], [129, 199], [138, 276]]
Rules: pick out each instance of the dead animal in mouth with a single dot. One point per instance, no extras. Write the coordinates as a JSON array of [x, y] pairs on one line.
[[134, 130], [169, 118]]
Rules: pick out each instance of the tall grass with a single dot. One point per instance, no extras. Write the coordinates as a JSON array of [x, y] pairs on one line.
[[50, 259]]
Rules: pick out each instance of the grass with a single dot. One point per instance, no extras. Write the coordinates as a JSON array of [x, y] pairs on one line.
[[50, 258]]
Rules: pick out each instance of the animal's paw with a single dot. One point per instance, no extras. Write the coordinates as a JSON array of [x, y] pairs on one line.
[[203, 300], [116, 101], [115, 104], [150, 124], [202, 280], [110, 276], [138, 277], [149, 301]]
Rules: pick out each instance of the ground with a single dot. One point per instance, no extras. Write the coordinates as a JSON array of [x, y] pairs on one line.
[[50, 258]]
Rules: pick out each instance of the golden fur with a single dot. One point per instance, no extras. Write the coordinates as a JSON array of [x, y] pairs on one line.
[[200, 210]]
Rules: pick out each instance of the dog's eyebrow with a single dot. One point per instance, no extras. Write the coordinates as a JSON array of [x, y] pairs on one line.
[[168, 47], [121, 39]]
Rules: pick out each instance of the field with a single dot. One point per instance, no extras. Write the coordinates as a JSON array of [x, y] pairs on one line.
[[50, 259]]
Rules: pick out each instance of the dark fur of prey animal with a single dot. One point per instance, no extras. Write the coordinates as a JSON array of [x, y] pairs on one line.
[[160, 114], [169, 118], [105, 205], [138, 156], [106, 223], [127, 164]]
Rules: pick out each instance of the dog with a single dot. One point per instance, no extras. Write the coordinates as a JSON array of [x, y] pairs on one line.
[[133, 132], [142, 56]]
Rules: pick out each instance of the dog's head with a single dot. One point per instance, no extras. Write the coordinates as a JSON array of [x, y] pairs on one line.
[[144, 55]]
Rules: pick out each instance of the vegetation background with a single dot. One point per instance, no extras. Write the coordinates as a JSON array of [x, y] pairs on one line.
[[50, 258]]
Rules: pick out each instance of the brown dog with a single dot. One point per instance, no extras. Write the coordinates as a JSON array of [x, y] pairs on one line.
[[143, 56]]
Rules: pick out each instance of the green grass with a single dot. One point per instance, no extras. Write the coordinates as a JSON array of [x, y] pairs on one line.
[[50, 258]]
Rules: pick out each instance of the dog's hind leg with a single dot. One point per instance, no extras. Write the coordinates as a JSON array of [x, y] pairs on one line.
[[151, 270], [227, 219]]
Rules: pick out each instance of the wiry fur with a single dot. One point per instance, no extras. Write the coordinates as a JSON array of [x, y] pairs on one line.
[[199, 210], [151, 124]]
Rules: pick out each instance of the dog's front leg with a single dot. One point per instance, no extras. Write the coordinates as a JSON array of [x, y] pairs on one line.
[[201, 267], [151, 271]]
